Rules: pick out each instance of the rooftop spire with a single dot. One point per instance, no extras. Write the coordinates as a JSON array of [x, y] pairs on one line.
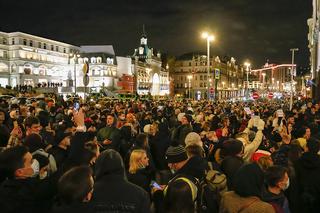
[[143, 31]]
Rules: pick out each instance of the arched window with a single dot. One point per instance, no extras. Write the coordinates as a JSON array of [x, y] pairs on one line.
[[93, 60], [99, 60]]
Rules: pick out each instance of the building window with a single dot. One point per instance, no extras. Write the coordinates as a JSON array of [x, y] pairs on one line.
[[190, 64], [205, 77], [99, 60], [201, 78], [201, 84], [52, 47], [12, 41], [30, 43], [24, 41], [39, 45], [44, 46], [64, 50], [196, 78], [93, 60], [57, 48]]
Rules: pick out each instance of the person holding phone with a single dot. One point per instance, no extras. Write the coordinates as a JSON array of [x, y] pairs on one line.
[[137, 169]]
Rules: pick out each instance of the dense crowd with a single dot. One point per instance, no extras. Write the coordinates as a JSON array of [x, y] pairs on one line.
[[159, 156]]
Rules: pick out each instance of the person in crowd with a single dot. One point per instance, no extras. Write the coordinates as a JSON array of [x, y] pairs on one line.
[[180, 196], [18, 190], [307, 170], [247, 194], [113, 193], [4, 130], [277, 181], [179, 134], [75, 189], [137, 173], [109, 136]]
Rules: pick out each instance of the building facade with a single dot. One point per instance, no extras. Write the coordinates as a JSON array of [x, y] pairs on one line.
[[191, 78], [39, 62], [314, 48], [151, 77]]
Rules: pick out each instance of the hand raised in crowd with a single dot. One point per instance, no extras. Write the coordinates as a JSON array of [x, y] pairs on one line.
[[78, 117], [107, 142]]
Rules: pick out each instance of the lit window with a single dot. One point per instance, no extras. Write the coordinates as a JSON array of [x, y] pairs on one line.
[[99, 60], [93, 60]]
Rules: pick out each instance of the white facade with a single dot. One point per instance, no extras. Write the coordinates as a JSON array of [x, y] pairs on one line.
[[31, 60], [314, 47]]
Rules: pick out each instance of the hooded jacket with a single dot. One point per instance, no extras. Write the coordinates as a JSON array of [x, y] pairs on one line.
[[246, 197], [112, 191]]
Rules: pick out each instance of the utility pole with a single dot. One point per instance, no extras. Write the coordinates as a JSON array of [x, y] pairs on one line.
[[292, 66]]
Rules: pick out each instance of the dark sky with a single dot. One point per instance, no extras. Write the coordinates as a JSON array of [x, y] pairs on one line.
[[245, 29]]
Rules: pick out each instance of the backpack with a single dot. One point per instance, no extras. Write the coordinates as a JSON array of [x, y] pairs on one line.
[[211, 190], [52, 162]]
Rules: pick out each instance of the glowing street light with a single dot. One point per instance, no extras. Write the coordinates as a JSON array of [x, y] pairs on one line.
[[206, 35]]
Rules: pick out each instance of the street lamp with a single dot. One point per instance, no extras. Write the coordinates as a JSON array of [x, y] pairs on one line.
[[209, 38], [189, 78], [75, 57], [247, 64], [291, 95]]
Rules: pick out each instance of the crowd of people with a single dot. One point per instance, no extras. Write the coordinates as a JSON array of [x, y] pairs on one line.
[[159, 156]]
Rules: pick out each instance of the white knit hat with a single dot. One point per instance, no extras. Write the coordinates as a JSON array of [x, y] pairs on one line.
[[193, 138]]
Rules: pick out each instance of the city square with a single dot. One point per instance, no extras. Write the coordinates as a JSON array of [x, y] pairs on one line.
[[147, 106]]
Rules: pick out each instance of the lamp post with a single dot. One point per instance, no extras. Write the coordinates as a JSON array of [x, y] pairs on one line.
[[247, 64], [209, 38], [291, 95], [75, 57], [189, 79]]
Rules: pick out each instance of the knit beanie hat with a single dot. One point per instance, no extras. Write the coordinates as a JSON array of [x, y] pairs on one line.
[[193, 139], [175, 154]]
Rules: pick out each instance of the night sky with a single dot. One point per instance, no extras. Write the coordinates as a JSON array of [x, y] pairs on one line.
[[245, 29]]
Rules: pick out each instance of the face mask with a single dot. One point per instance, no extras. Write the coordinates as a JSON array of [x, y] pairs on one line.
[[43, 175], [35, 167]]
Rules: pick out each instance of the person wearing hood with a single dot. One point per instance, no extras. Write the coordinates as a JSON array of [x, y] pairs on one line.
[[277, 181], [179, 134], [307, 170], [246, 197], [113, 192]]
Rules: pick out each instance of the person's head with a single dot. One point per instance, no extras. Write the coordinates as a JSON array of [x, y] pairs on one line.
[[186, 119], [110, 120], [304, 132], [180, 196], [32, 125], [130, 118], [76, 185], [109, 162], [313, 146], [138, 160], [232, 147], [277, 177], [194, 150], [248, 180], [34, 142], [193, 138], [176, 157], [16, 163], [142, 140], [63, 139]]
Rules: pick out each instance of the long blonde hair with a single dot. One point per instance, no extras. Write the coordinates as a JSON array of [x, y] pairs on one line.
[[135, 160]]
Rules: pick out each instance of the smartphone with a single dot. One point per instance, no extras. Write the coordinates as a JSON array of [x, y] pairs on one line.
[[76, 106], [155, 185]]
